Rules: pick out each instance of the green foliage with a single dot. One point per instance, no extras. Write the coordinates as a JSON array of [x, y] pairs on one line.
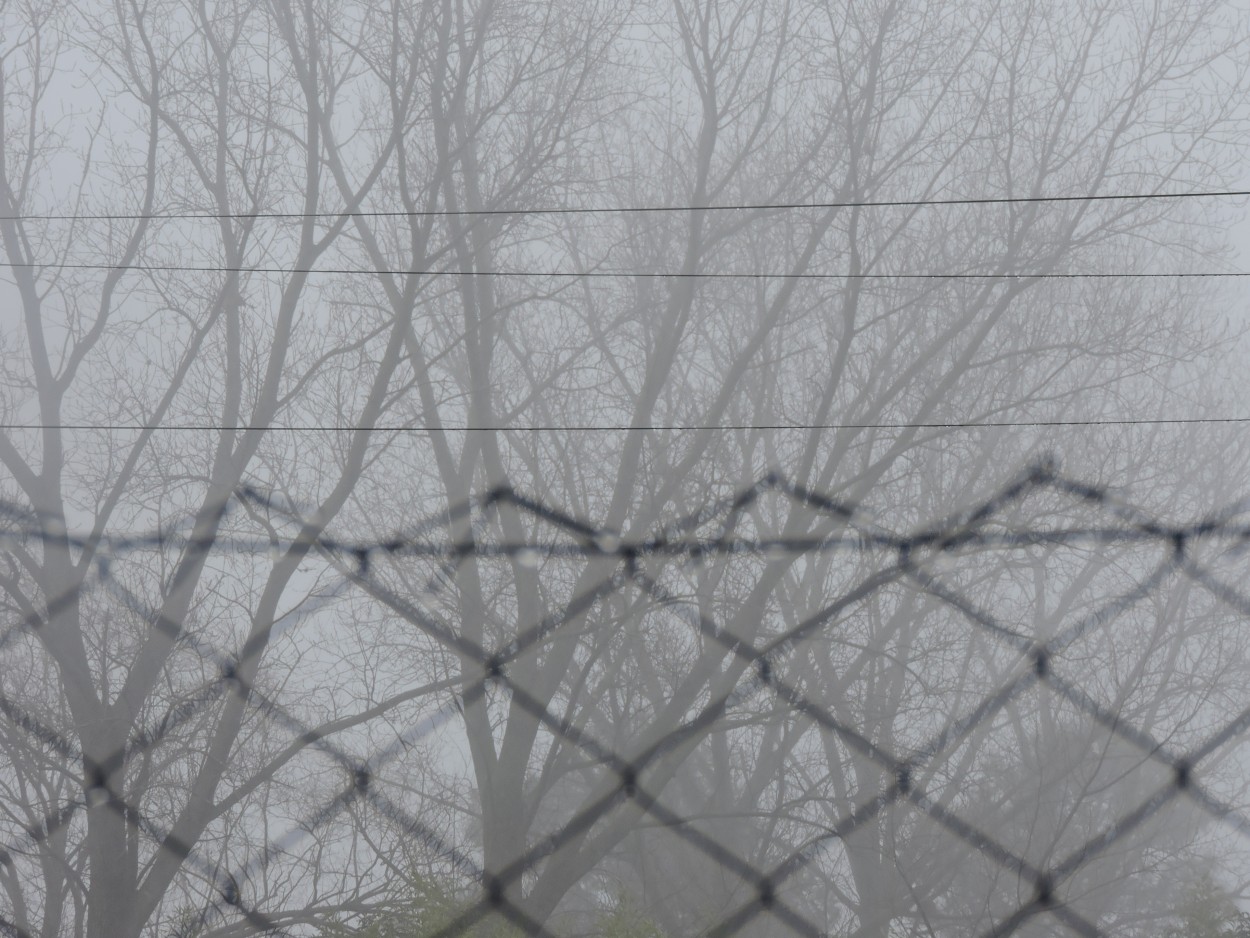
[[425, 907], [626, 921], [428, 905], [1207, 911]]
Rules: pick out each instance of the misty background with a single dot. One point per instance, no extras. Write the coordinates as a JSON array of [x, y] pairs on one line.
[[676, 467]]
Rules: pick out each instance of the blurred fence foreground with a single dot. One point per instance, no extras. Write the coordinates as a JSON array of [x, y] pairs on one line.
[[1025, 718]]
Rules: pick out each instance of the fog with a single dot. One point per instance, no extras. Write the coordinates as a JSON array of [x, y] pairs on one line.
[[645, 469]]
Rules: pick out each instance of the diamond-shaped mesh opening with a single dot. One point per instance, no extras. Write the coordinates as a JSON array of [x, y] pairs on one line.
[[772, 717]]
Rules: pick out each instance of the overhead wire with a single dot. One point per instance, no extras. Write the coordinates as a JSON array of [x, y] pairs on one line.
[[676, 275], [625, 428], [624, 274], [637, 209]]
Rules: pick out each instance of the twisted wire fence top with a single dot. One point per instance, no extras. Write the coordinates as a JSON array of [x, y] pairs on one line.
[[760, 680]]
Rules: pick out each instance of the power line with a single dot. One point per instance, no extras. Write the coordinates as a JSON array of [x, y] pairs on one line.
[[638, 209], [624, 428], [624, 274]]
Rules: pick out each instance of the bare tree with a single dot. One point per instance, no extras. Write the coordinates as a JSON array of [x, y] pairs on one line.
[[157, 680], [406, 291]]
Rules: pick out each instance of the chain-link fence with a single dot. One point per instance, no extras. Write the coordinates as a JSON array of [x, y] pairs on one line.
[[1022, 717]]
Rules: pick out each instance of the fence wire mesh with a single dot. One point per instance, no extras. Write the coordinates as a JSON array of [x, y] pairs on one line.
[[931, 774]]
